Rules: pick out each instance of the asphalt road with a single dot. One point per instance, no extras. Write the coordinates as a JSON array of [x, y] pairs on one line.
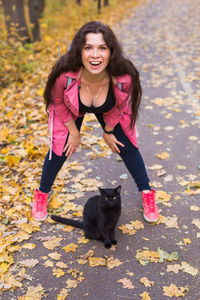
[[162, 38]]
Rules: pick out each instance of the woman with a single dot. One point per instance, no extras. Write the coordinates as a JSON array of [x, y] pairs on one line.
[[95, 77]]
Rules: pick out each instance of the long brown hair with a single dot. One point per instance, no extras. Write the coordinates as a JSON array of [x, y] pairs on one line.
[[118, 64]]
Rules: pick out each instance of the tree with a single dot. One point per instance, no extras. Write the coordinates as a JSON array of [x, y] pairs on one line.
[[99, 6], [15, 19], [36, 9], [78, 2], [106, 2]]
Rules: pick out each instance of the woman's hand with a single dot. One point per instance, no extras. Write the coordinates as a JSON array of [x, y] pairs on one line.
[[112, 142], [73, 142]]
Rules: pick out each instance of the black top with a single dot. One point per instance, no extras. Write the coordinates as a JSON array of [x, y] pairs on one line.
[[105, 107]]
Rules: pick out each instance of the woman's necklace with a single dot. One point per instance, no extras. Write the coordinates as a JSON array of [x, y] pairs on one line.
[[98, 93]]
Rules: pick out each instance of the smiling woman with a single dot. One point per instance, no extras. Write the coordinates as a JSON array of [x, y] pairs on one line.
[[95, 77]]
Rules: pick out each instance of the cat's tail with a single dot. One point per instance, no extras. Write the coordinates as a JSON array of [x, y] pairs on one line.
[[65, 221]]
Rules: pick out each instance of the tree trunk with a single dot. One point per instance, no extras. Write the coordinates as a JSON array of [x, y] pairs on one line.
[[106, 2], [41, 8], [99, 6], [34, 13], [15, 21], [78, 2]]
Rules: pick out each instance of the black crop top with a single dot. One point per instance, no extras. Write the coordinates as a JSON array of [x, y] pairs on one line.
[[105, 107]]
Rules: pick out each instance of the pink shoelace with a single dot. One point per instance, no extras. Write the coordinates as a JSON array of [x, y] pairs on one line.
[[41, 201], [149, 202]]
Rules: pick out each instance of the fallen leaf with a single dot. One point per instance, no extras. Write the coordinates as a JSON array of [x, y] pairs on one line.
[[70, 248], [163, 155], [112, 263], [187, 241], [174, 268], [71, 284], [62, 295], [28, 246], [33, 293], [55, 255], [58, 272], [83, 240], [189, 269], [29, 263], [194, 208], [127, 284], [145, 296], [48, 264], [97, 261], [174, 291], [51, 244], [146, 282], [196, 222]]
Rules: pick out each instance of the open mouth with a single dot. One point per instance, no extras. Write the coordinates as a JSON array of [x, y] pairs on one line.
[[95, 63]]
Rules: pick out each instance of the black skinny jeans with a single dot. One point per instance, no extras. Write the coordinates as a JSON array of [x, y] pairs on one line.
[[129, 154]]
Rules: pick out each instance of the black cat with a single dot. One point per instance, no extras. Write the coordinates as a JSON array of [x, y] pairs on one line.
[[100, 216]]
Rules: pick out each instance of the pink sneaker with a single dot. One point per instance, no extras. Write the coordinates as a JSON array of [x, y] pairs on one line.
[[151, 213], [39, 208]]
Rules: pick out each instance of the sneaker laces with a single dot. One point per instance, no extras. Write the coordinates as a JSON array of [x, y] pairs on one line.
[[149, 202], [40, 202]]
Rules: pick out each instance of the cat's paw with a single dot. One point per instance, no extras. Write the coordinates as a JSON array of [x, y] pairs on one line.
[[107, 245], [114, 242]]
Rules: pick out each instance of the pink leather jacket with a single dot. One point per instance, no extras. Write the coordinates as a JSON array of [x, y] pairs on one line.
[[65, 106]]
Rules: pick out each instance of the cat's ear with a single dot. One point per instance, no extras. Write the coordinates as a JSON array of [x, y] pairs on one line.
[[102, 192], [118, 189]]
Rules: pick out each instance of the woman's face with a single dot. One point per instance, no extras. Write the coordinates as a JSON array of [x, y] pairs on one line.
[[95, 53]]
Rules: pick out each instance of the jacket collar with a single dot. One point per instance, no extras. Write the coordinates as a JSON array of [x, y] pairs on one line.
[[71, 94], [77, 76]]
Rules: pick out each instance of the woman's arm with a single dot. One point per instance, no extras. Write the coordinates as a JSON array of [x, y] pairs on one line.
[[74, 139]]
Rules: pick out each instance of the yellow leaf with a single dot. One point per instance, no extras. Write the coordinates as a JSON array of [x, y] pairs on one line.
[[29, 246], [40, 92], [189, 269], [163, 155], [162, 196], [145, 296], [112, 263], [127, 284], [174, 291], [33, 293], [58, 272], [61, 265], [30, 263], [97, 261], [137, 224], [174, 268], [48, 264], [63, 294], [71, 283], [170, 222], [70, 248], [55, 255], [196, 222], [146, 282], [51, 244], [187, 241], [127, 229], [83, 240], [56, 203], [194, 208]]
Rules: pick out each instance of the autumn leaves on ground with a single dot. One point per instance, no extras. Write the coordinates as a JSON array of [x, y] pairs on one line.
[[48, 261]]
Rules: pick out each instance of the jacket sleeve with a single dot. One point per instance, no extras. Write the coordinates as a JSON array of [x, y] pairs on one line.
[[60, 109]]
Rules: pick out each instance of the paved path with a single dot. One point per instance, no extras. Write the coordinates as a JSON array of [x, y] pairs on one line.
[[162, 39]]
